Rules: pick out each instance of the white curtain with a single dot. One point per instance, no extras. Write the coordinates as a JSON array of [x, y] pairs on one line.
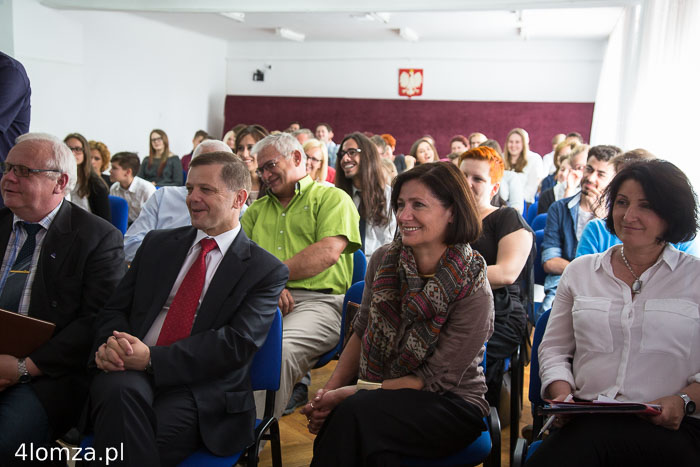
[[649, 90]]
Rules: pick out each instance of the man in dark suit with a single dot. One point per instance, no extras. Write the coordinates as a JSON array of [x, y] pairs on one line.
[[60, 264], [174, 380]]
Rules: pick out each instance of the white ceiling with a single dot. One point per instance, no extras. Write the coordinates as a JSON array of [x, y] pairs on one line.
[[328, 20]]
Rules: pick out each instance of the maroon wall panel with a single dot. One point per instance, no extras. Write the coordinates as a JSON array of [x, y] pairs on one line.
[[408, 120]]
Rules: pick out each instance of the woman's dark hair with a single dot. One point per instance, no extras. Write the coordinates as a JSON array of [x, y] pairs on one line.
[[152, 152], [448, 184], [373, 206], [85, 169], [669, 193], [258, 132]]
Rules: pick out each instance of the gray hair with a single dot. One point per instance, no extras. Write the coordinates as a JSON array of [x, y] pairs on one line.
[[62, 158], [210, 145], [284, 143], [303, 131]]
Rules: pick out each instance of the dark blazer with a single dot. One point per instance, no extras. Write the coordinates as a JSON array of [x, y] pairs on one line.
[[80, 264], [98, 198], [230, 326]]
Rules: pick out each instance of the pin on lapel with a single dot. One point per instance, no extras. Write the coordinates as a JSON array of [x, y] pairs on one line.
[[53, 255]]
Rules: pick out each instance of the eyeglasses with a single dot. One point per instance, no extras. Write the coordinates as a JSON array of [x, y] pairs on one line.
[[268, 166], [23, 170], [352, 152], [313, 158], [153, 140], [76, 149]]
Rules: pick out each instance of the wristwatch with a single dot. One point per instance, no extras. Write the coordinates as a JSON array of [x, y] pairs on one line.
[[689, 404], [24, 376]]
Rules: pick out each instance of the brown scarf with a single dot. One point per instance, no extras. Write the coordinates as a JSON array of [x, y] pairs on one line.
[[407, 312]]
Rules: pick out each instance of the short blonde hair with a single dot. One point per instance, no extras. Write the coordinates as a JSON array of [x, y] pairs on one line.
[[315, 143]]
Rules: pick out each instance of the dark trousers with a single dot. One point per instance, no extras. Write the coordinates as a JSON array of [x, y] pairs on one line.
[[619, 440], [23, 420], [377, 428], [156, 426]]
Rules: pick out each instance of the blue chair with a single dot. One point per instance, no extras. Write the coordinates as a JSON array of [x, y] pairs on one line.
[[539, 270], [120, 213], [522, 452], [264, 375], [354, 294], [485, 449], [539, 222], [531, 214], [359, 266]]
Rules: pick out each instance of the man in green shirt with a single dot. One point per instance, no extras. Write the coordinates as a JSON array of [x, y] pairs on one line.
[[314, 230]]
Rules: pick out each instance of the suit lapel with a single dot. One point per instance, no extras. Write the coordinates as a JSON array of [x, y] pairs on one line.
[[233, 266], [165, 266], [57, 244]]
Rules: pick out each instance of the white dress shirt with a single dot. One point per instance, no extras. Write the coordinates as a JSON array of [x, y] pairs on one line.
[[512, 189], [377, 235], [135, 195], [213, 259], [602, 341]]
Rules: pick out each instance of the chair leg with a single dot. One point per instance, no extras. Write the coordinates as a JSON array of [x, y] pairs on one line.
[[515, 399], [494, 458], [275, 444], [519, 453]]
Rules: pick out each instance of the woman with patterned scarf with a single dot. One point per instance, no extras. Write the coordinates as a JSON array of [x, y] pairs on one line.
[[426, 312]]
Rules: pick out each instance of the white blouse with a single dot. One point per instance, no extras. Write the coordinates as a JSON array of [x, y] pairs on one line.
[[601, 341]]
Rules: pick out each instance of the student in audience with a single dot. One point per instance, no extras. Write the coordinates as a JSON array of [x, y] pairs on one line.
[[418, 337], [549, 160], [399, 160], [423, 151], [135, 190], [324, 133], [459, 144], [596, 238], [303, 135], [567, 218], [317, 161], [510, 191], [199, 136], [91, 192], [166, 208], [574, 137], [380, 144], [74, 261], [230, 136], [568, 178], [625, 325], [361, 177], [520, 159], [390, 171], [476, 140], [561, 149], [506, 242], [99, 158], [294, 126], [175, 342], [161, 167], [245, 140], [313, 229]]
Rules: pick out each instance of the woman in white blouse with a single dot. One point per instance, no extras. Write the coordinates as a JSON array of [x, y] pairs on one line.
[[625, 325], [520, 159]]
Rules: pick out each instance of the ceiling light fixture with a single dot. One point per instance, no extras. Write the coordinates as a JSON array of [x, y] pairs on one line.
[[236, 16], [291, 35], [381, 17], [408, 34]]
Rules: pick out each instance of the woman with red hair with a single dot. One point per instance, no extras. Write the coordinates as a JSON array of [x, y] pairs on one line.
[[506, 242]]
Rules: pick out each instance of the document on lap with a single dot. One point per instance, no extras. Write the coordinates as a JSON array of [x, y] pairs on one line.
[[21, 335], [602, 405]]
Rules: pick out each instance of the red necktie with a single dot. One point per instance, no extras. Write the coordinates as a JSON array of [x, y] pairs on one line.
[[178, 321]]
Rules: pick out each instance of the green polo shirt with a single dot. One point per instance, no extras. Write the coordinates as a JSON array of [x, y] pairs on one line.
[[315, 212]]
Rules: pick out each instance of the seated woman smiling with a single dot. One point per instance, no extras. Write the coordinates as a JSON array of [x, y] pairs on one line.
[[426, 312], [625, 325]]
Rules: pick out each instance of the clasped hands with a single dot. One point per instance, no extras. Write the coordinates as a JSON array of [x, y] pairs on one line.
[[324, 402], [122, 351]]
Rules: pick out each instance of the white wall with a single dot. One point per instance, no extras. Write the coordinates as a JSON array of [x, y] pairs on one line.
[[114, 76], [537, 71]]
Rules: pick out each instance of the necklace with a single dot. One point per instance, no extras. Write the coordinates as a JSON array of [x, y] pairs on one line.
[[637, 284]]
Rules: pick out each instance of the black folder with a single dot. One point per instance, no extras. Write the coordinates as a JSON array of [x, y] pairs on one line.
[[21, 335]]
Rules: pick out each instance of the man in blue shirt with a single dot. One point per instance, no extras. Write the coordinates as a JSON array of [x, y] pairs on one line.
[[567, 218]]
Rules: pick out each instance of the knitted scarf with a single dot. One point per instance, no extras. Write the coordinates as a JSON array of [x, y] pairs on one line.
[[407, 312]]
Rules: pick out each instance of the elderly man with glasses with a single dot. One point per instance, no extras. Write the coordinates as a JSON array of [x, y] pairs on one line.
[[60, 264], [313, 229]]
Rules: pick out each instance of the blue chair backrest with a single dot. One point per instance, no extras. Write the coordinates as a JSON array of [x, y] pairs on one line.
[[354, 294], [531, 213], [539, 271], [539, 222], [535, 382], [120, 212], [267, 363], [359, 266]]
